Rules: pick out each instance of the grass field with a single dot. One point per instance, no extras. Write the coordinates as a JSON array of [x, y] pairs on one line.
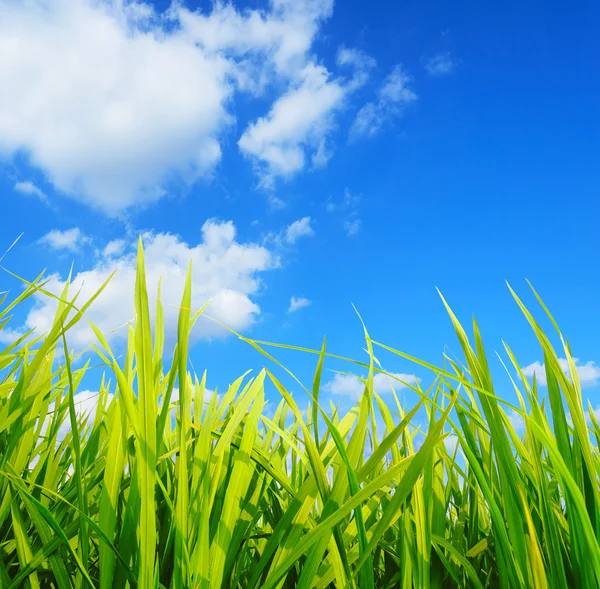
[[165, 490]]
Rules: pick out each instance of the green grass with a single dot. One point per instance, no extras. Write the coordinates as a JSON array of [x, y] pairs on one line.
[[224, 496]]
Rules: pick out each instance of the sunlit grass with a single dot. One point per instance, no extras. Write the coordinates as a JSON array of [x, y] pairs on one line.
[[195, 494]]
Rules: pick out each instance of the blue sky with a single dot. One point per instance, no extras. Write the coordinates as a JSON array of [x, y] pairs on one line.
[[359, 153]]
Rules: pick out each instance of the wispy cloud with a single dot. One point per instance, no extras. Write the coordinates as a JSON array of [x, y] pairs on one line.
[[351, 385], [589, 373], [300, 228], [71, 240], [114, 248], [441, 64], [297, 303], [393, 96], [360, 61], [348, 209], [352, 227], [28, 188]]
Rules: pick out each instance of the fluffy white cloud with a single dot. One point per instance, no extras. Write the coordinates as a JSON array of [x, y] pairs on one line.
[[351, 386], [264, 46], [297, 303], [394, 94], [9, 335], [208, 394], [300, 228], [30, 189], [536, 369], [112, 99], [71, 240], [86, 405], [441, 64], [105, 100], [298, 121], [284, 35], [114, 248], [224, 270], [589, 373]]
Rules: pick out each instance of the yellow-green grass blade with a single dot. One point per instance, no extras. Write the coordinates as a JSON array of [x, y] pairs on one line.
[[272, 500], [366, 571], [23, 544], [147, 454], [113, 472], [237, 488], [83, 548], [180, 578], [439, 542], [316, 389]]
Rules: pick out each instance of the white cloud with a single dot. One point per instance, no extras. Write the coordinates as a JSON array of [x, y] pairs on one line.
[[368, 121], [9, 335], [113, 100], [349, 204], [516, 420], [322, 155], [276, 203], [441, 64], [451, 443], [114, 248], [395, 87], [105, 100], [297, 303], [30, 189], [70, 240], [284, 34], [351, 386], [208, 394], [393, 95], [298, 121], [352, 227], [348, 207], [224, 270], [297, 229], [536, 369], [360, 61], [86, 405], [589, 373], [276, 45]]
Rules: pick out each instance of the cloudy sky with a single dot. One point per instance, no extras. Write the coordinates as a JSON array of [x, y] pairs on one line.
[[306, 155]]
